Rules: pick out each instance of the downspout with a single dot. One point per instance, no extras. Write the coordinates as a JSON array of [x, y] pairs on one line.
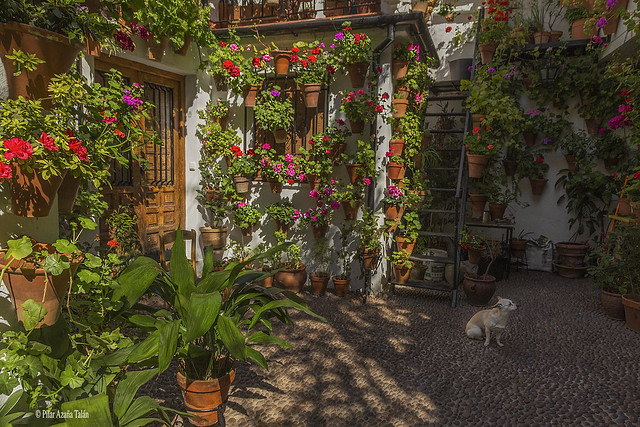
[[391, 35]]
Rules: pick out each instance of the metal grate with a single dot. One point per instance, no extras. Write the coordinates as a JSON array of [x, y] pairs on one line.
[[120, 175], [162, 121], [244, 12]]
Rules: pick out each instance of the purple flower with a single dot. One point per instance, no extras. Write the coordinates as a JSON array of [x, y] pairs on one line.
[[601, 22], [339, 35], [616, 122], [288, 157], [597, 39], [532, 112], [242, 204], [333, 46], [321, 44], [611, 3], [491, 70], [545, 141], [275, 93], [506, 76], [470, 68], [335, 205]]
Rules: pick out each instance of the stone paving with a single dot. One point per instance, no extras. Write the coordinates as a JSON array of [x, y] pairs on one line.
[[405, 360]]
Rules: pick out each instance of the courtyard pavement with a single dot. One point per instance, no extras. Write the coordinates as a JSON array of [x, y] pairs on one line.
[[406, 361]]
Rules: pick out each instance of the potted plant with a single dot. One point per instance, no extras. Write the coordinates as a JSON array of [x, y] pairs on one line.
[[206, 332], [396, 167], [499, 198], [246, 216], [535, 169], [577, 16], [394, 204], [518, 245], [315, 164], [342, 280], [610, 147], [292, 274], [322, 254], [331, 142], [282, 213], [215, 112], [359, 108], [314, 66], [577, 148], [361, 165], [216, 139], [401, 266], [242, 167], [225, 62], [495, 29], [480, 288], [480, 147], [318, 218], [408, 227], [213, 234], [609, 274], [473, 243], [403, 55], [630, 275], [350, 198], [369, 234], [354, 51], [274, 114], [399, 103]]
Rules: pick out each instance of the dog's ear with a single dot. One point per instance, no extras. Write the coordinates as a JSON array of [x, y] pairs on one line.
[[499, 298]]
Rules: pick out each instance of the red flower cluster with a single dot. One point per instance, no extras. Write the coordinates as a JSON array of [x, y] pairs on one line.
[[331, 69], [113, 244], [233, 70], [539, 159], [357, 38], [236, 151], [496, 8], [5, 171], [256, 61], [223, 44], [48, 142], [448, 29], [76, 146], [19, 148]]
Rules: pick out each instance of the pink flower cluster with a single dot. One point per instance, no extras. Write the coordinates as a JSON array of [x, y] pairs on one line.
[[622, 119], [394, 192], [17, 148]]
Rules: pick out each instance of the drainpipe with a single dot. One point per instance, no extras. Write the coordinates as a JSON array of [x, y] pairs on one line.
[[391, 34]]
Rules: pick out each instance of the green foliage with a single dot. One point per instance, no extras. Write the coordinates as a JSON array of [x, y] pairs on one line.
[[366, 157], [358, 106], [322, 254], [400, 258], [410, 225], [351, 47], [123, 225], [533, 166], [468, 240], [271, 112], [574, 14], [578, 144], [610, 145], [345, 254], [245, 215], [369, 230], [406, 52], [174, 19], [281, 211], [616, 269], [24, 61]]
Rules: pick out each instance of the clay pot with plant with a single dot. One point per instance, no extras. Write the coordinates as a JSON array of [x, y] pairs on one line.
[[199, 313], [518, 245], [342, 280], [369, 234], [360, 107], [354, 50], [401, 266], [274, 112], [473, 244], [609, 275], [282, 213], [322, 255], [480, 288], [213, 234], [312, 74]]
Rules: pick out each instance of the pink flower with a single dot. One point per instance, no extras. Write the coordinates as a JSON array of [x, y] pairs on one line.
[[335, 205], [296, 214], [360, 92], [266, 147], [288, 157], [266, 57], [242, 204], [277, 167], [313, 193], [233, 47], [301, 177], [5, 171], [264, 162], [367, 181]]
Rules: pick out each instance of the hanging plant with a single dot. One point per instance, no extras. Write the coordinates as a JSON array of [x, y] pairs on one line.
[[273, 110]]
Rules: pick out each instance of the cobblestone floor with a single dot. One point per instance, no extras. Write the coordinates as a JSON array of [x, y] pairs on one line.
[[405, 360]]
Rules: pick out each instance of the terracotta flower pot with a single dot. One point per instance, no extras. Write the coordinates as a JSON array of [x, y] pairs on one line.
[[404, 245], [292, 279], [314, 181], [396, 146], [201, 397], [571, 254], [45, 45], [352, 169], [518, 247], [477, 119], [593, 126], [156, 48], [487, 50], [335, 153], [281, 61], [399, 107], [319, 282], [31, 195], [369, 258], [247, 231], [540, 37], [395, 171], [311, 94], [578, 32], [356, 126], [571, 162], [214, 237], [350, 209], [400, 68], [530, 138], [479, 290], [357, 73], [570, 272], [250, 94], [478, 201], [554, 36], [393, 212], [612, 304], [275, 185], [221, 83], [67, 193], [341, 285], [631, 303], [474, 255], [320, 231], [283, 227], [280, 136], [417, 272], [402, 273], [496, 210], [243, 183], [211, 194], [510, 167], [29, 282], [537, 185], [624, 207], [477, 163]]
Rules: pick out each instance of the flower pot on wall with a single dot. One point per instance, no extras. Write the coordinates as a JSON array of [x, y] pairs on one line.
[[395, 171], [479, 290], [280, 136], [292, 279], [281, 61], [216, 237], [319, 282], [283, 227], [399, 68], [314, 181], [352, 171], [275, 185], [405, 245], [396, 146], [478, 201], [593, 126], [496, 210], [537, 185], [357, 73], [156, 48], [341, 285], [320, 230], [250, 94], [554, 36], [202, 398], [393, 212], [510, 167], [571, 162], [31, 195], [612, 18], [67, 193], [487, 50], [399, 107], [612, 304], [335, 153], [624, 207], [578, 32], [474, 255], [243, 183], [45, 45], [350, 209], [311, 94], [182, 51], [247, 231], [530, 138], [357, 126], [477, 163], [402, 273], [631, 303]]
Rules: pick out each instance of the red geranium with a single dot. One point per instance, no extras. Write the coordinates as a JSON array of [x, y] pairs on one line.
[[113, 243], [316, 51], [227, 65], [223, 44], [304, 63], [48, 142], [251, 152], [311, 59], [256, 62], [18, 148], [295, 49], [235, 72], [5, 171]]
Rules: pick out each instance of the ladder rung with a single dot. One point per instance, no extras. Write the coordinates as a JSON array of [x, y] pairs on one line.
[[443, 169], [449, 97], [444, 114], [425, 258]]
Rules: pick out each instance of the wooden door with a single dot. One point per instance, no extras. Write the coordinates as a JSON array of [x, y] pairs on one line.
[[155, 192]]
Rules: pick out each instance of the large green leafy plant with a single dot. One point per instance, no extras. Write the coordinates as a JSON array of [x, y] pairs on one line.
[[273, 110], [201, 328]]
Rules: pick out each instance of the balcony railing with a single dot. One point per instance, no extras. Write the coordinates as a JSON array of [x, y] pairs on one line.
[[247, 12]]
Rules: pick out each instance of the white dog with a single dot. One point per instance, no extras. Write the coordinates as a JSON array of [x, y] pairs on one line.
[[495, 319]]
